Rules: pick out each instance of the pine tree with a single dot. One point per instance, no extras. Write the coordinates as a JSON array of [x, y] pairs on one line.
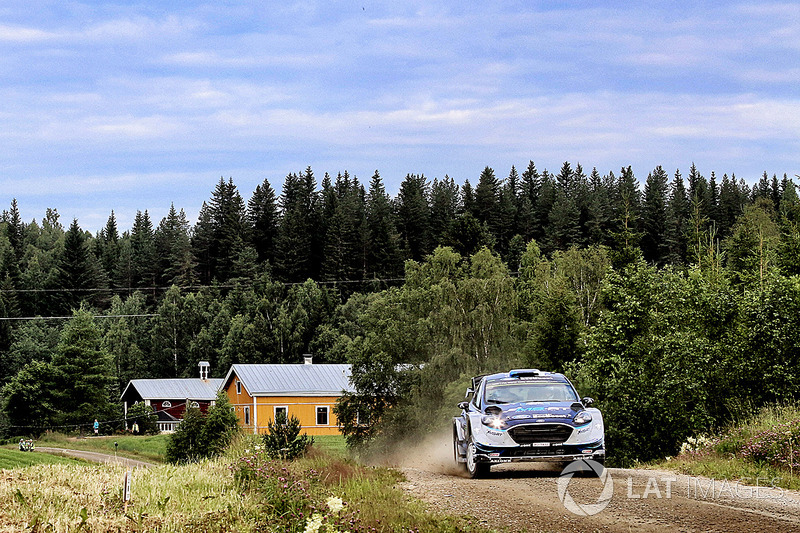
[[345, 245], [143, 251], [563, 228], [413, 217], [600, 216], [676, 230], [79, 270], [174, 250], [220, 233], [15, 229], [262, 218], [83, 372], [383, 259], [530, 186], [444, 209], [298, 245], [654, 217], [487, 194], [109, 246]]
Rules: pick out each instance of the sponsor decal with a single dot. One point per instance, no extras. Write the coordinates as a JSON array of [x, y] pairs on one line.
[[493, 433], [520, 417]]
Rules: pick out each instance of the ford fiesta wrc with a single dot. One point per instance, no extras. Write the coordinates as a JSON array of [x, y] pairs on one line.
[[525, 415]]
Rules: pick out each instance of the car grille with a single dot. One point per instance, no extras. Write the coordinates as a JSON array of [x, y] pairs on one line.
[[528, 433], [536, 452]]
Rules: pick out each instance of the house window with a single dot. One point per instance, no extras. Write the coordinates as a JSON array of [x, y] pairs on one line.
[[238, 387], [166, 404], [247, 416], [282, 410], [322, 415], [196, 405]]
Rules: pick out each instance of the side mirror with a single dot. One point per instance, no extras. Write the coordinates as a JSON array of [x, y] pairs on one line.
[[463, 405], [587, 401], [469, 391]]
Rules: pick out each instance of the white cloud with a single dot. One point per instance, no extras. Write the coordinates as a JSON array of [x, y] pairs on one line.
[[21, 34]]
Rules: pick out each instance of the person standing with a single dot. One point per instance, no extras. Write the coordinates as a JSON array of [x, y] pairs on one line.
[[96, 426]]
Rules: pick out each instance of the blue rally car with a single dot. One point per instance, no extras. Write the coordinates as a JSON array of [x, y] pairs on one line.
[[525, 415]]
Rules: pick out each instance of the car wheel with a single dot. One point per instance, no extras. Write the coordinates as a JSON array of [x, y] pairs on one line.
[[474, 468]]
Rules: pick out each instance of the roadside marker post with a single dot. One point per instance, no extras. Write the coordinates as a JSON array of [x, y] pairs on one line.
[[126, 489]]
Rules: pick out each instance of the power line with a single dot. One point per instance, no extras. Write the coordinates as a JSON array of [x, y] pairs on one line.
[[90, 424], [11, 318], [197, 287]]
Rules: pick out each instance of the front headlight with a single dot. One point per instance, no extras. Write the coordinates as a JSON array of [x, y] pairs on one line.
[[584, 417], [493, 421]]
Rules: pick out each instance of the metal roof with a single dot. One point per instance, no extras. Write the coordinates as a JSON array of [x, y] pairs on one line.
[[293, 380], [175, 389]]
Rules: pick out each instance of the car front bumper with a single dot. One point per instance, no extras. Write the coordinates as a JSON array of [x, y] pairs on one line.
[[553, 453]]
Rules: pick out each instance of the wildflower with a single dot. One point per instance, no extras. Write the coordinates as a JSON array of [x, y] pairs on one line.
[[313, 523], [335, 504]]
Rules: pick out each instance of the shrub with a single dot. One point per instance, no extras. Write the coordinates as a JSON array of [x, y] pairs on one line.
[[200, 436], [283, 439], [145, 417]]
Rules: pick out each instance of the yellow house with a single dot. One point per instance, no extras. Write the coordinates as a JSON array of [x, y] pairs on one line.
[[307, 391]]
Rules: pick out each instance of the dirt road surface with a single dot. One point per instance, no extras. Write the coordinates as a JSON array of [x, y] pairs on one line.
[[526, 498], [95, 457]]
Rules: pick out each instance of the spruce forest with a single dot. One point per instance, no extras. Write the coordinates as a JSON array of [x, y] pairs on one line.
[[674, 302]]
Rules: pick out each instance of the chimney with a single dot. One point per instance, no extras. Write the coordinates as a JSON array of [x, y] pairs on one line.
[[307, 358], [204, 366]]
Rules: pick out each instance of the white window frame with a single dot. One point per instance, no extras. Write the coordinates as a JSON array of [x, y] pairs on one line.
[[238, 387], [327, 415], [275, 409], [246, 415], [166, 404], [196, 405]]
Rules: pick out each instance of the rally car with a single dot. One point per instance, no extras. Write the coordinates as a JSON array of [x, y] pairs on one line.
[[525, 415]]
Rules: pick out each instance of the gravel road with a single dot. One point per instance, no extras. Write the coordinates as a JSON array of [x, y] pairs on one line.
[[95, 457], [526, 498]]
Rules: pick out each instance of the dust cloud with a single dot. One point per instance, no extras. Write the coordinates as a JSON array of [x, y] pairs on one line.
[[433, 453]]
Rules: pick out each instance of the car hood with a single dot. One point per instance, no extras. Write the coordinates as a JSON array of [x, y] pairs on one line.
[[528, 412]]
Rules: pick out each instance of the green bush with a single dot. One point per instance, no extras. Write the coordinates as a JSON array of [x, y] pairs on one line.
[[283, 439], [199, 436], [145, 417]]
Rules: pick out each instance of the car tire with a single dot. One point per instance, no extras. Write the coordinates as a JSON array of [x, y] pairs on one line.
[[456, 454], [475, 469]]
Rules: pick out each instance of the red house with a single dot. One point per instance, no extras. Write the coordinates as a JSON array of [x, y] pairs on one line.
[[169, 397]]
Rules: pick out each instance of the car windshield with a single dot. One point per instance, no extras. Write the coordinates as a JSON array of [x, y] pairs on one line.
[[515, 391]]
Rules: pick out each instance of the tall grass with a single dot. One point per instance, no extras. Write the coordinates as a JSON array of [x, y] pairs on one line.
[[239, 492], [762, 447]]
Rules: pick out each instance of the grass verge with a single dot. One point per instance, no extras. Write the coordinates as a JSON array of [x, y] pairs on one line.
[[240, 492], [10, 459], [145, 448], [761, 450]]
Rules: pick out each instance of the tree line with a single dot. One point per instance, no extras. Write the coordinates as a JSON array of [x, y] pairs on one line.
[[416, 291]]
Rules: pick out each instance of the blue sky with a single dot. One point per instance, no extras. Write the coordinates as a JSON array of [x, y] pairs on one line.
[[136, 105]]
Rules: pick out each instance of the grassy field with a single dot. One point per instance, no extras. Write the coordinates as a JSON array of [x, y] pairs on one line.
[[146, 448], [16, 459], [153, 447], [242, 491], [760, 450]]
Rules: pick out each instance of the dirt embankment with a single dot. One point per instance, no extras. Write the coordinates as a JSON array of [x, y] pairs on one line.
[[526, 498]]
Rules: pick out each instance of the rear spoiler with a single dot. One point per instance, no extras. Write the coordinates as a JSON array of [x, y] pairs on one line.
[[476, 381]]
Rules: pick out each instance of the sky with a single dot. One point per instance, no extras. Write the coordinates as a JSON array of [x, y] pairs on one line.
[[139, 105]]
